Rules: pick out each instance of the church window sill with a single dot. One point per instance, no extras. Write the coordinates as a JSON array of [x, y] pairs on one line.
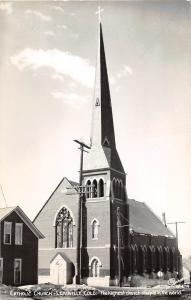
[[69, 248]]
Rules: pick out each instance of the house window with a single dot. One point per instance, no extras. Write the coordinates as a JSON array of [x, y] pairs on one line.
[[95, 268], [95, 225], [1, 270], [17, 270], [18, 233], [7, 232], [64, 229]]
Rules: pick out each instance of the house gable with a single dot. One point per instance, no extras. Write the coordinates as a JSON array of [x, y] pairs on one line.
[[5, 212]]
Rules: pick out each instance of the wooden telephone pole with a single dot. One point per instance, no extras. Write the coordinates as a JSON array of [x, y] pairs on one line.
[[79, 222], [176, 223], [119, 246]]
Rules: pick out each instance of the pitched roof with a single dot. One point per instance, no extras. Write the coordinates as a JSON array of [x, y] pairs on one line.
[[4, 212], [143, 220], [63, 255], [73, 183]]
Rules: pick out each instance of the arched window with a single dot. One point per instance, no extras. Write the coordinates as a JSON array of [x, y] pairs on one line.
[[145, 253], [172, 259], [129, 259], [136, 259], [95, 225], [64, 229], [95, 268], [88, 189], [117, 190], [120, 190], [94, 188], [165, 259], [161, 258], [141, 259], [133, 259], [114, 187], [149, 261], [158, 259], [101, 188]]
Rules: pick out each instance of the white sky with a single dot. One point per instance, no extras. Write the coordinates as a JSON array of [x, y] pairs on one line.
[[47, 65]]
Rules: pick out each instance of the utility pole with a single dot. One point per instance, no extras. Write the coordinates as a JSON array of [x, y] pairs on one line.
[[176, 223], [119, 245], [79, 222]]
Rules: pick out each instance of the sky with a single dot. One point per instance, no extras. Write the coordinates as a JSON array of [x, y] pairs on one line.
[[47, 66]]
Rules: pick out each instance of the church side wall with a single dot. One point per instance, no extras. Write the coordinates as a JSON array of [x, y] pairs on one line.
[[150, 254]]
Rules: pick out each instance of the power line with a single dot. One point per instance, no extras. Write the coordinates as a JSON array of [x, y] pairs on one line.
[[3, 196], [176, 223]]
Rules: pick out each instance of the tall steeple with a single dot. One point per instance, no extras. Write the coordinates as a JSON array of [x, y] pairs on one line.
[[102, 118], [103, 153]]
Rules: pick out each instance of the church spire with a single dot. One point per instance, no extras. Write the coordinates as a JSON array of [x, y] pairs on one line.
[[102, 119], [103, 153]]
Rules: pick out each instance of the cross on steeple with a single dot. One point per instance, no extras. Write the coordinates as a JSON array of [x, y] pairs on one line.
[[98, 12]]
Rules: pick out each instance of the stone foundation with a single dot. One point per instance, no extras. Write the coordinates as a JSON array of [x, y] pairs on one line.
[[97, 281], [43, 279]]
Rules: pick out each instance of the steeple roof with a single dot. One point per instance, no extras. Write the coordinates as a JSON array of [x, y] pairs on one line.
[[103, 151], [102, 119]]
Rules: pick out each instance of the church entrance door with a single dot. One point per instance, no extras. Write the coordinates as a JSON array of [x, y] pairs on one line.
[[60, 270]]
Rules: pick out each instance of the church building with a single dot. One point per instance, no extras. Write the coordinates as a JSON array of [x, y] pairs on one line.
[[120, 237]]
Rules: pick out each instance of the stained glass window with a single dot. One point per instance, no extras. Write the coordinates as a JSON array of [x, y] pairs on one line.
[[64, 229]]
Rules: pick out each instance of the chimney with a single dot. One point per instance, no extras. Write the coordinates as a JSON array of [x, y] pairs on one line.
[[164, 219]]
